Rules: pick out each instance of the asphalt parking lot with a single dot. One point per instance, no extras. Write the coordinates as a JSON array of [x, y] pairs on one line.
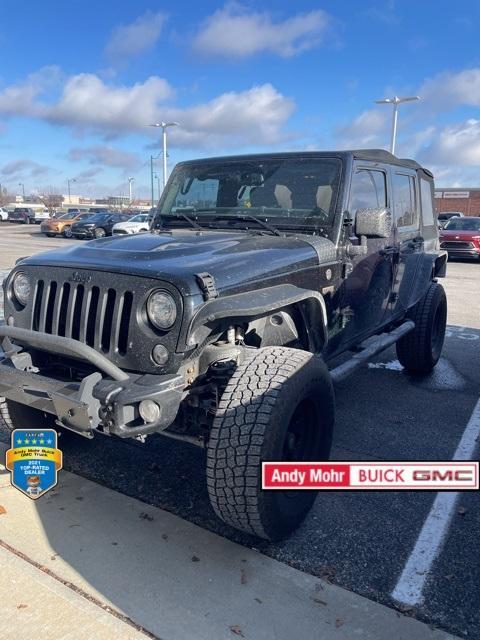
[[360, 541]]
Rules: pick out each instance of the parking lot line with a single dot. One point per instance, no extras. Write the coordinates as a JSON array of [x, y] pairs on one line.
[[410, 586]]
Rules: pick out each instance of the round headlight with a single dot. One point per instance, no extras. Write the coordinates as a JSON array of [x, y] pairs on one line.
[[21, 288], [161, 310]]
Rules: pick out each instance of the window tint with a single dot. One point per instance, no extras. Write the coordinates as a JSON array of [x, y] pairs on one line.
[[368, 190], [404, 200], [427, 207]]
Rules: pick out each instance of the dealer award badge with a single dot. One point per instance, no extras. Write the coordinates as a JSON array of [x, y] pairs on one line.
[[34, 461]]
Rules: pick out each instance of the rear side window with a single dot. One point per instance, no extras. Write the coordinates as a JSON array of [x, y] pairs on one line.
[[405, 200], [427, 206], [368, 190]]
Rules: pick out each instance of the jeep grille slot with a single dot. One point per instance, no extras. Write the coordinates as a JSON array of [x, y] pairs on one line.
[[93, 315], [37, 305], [122, 340], [108, 320]]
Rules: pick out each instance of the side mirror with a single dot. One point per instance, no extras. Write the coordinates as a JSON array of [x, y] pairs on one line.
[[373, 223]]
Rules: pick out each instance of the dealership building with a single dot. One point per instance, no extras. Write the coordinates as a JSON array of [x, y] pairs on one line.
[[465, 200]]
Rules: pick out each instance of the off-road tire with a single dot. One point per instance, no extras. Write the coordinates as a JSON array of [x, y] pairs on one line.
[[420, 350], [19, 416], [254, 416]]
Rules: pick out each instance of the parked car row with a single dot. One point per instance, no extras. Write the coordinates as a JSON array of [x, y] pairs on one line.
[[95, 224], [28, 215]]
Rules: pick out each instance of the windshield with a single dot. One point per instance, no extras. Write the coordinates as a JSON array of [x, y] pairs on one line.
[[289, 191], [463, 224], [68, 216], [142, 217]]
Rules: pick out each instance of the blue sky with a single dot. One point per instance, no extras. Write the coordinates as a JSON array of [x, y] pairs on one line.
[[79, 81]]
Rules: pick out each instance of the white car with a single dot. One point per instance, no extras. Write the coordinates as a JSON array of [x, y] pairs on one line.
[[137, 224], [3, 214]]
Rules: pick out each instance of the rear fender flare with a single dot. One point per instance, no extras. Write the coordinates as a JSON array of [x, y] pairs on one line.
[[432, 265]]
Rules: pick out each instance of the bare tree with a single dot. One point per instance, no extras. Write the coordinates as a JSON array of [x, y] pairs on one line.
[[51, 197], [5, 197]]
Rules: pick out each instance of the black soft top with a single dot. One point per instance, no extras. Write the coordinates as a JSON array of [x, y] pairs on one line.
[[373, 155]]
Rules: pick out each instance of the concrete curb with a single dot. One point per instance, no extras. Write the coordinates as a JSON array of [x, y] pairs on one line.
[[172, 578]]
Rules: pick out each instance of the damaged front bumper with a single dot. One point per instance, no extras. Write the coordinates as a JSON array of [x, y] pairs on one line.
[[108, 398]]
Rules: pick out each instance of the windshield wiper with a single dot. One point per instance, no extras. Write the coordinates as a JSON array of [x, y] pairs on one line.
[[179, 216], [251, 218]]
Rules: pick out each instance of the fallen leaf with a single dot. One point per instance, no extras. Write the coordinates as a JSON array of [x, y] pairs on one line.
[[339, 623], [2, 510], [195, 559], [235, 628], [327, 572], [258, 600], [462, 511], [22, 606], [449, 577], [54, 557], [318, 601], [114, 544], [243, 576], [78, 497], [164, 536], [146, 516]]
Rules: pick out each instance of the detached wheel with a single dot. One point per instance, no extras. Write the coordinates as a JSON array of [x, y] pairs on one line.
[[67, 231], [278, 405], [99, 233], [420, 350]]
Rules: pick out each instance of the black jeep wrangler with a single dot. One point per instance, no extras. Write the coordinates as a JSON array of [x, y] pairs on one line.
[[218, 327]]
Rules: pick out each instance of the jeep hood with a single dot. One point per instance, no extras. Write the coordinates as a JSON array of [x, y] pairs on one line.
[[235, 259]]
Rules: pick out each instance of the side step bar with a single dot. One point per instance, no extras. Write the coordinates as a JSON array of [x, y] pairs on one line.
[[370, 348]]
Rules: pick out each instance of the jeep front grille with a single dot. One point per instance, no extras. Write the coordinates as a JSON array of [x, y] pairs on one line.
[[96, 316]]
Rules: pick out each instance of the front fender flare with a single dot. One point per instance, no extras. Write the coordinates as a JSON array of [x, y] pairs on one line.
[[250, 305]]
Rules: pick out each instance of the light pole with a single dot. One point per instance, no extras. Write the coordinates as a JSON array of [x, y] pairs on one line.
[[69, 194], [130, 182], [158, 184], [152, 158], [164, 126], [20, 184], [395, 101]]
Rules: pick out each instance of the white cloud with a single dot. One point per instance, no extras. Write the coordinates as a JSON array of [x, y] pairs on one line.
[[457, 144], [369, 129], [447, 90], [236, 32], [135, 38], [105, 155], [88, 104], [21, 169], [19, 99], [254, 116], [88, 176]]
